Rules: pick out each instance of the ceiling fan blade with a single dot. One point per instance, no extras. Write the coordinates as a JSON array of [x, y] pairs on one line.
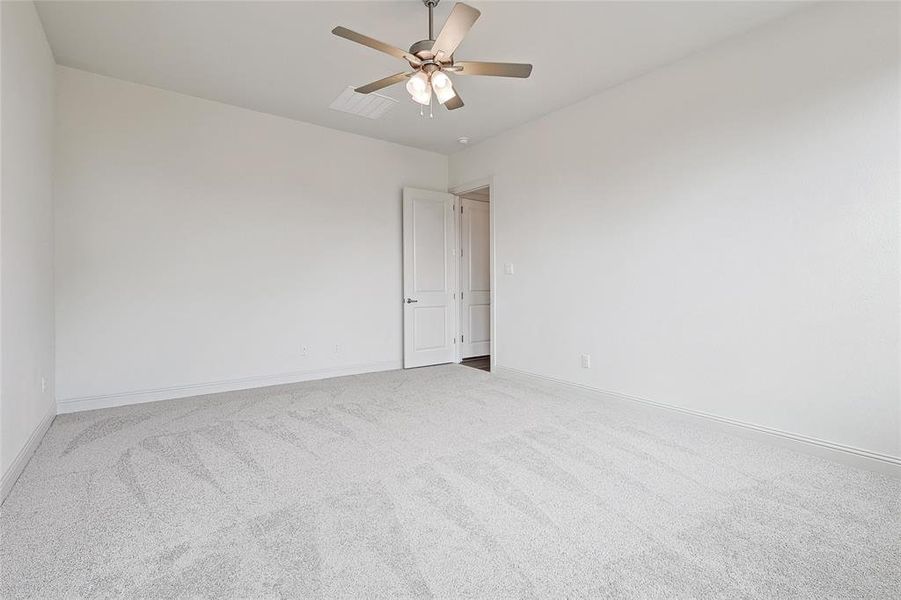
[[382, 83], [493, 69], [455, 28], [359, 38], [454, 103]]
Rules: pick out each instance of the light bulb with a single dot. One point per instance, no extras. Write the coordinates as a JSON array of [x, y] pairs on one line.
[[444, 88], [418, 86], [424, 97], [440, 80]]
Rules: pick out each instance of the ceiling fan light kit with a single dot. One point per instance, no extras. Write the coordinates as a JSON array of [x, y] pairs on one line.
[[432, 60]]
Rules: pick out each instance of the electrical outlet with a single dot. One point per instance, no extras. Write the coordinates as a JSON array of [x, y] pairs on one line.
[[43, 384], [337, 348], [508, 268], [304, 350], [586, 361]]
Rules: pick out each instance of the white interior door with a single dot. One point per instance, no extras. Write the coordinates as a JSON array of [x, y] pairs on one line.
[[429, 278], [475, 292]]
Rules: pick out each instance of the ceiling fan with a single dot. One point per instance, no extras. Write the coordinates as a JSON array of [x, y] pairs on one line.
[[432, 59]]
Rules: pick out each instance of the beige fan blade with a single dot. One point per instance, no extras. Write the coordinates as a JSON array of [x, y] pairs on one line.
[[382, 83], [454, 103], [375, 44], [455, 29], [464, 67]]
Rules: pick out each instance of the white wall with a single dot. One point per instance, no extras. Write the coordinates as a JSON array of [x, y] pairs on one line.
[[721, 235], [200, 246], [26, 233]]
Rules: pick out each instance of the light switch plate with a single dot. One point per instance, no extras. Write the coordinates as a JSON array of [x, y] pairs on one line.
[[508, 268]]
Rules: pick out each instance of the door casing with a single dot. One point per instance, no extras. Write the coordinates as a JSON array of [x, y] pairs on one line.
[[464, 188]]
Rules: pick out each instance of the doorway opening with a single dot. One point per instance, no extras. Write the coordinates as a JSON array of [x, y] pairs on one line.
[[474, 273], [448, 277]]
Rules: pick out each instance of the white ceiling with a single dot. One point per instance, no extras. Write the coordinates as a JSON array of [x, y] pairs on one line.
[[280, 57]]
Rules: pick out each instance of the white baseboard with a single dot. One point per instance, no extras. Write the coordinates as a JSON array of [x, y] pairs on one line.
[[18, 464], [77, 404], [857, 457]]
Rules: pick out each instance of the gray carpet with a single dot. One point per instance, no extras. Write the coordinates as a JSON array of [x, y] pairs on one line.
[[444, 482]]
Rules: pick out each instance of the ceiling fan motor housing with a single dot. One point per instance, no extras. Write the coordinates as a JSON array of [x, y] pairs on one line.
[[423, 49]]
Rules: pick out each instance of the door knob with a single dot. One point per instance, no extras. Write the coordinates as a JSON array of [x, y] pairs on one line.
[[411, 300]]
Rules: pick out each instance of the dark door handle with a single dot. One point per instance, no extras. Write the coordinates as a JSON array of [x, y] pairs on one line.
[[411, 300]]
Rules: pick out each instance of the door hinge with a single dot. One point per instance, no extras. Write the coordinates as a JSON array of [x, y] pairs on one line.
[[461, 295], [461, 338]]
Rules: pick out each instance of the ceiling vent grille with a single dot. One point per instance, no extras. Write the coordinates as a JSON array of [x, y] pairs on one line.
[[371, 106]]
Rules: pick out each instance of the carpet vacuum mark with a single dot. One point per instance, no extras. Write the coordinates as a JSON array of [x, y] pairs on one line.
[[446, 482]]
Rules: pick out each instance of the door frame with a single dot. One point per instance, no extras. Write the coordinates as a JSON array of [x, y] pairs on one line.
[[457, 190]]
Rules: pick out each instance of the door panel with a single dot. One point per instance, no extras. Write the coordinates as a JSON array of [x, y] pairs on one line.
[[429, 243], [479, 323], [479, 270], [476, 278], [429, 278], [429, 325]]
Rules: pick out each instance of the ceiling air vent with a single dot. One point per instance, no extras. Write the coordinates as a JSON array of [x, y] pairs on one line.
[[371, 106]]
